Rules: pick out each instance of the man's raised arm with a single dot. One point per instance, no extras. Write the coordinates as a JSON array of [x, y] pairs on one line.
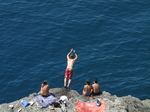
[[75, 55], [69, 53]]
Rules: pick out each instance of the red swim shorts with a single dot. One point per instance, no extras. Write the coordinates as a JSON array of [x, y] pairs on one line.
[[68, 73]]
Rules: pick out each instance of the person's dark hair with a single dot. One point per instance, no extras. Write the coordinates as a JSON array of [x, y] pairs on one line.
[[45, 82], [88, 82], [71, 56], [95, 80]]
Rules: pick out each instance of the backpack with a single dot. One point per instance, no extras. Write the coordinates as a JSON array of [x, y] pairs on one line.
[[56, 104]]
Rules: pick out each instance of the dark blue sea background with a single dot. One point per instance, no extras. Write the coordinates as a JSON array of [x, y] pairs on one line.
[[111, 37]]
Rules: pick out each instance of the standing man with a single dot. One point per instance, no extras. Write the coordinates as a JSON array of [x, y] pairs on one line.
[[69, 70]]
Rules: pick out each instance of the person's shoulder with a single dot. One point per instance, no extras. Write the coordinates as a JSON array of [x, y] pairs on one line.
[[75, 58], [85, 86], [70, 59], [93, 84], [46, 85], [98, 84]]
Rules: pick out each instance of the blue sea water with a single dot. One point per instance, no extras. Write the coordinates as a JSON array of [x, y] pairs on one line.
[[111, 37]]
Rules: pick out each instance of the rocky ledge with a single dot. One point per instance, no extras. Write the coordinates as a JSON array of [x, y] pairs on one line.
[[113, 103]]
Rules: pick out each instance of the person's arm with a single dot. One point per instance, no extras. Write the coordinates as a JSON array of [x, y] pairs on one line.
[[99, 88], [83, 92], [92, 90], [40, 92], [76, 56], [48, 86], [42, 85], [69, 53]]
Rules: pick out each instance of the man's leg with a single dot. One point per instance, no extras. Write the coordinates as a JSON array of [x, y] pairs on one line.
[[65, 80], [69, 82]]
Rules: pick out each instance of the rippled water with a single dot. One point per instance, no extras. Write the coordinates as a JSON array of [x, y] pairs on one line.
[[111, 38]]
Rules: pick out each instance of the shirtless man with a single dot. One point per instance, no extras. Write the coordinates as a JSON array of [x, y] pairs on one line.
[[44, 89], [96, 88], [87, 90], [69, 69]]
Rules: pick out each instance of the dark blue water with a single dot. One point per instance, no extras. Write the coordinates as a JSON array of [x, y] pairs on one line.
[[112, 39]]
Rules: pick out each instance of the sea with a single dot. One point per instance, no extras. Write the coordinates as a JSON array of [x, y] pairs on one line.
[[111, 38]]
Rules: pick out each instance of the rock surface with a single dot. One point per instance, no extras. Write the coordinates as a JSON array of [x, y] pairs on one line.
[[113, 103]]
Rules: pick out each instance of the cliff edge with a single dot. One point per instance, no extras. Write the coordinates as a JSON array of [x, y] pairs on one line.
[[113, 103]]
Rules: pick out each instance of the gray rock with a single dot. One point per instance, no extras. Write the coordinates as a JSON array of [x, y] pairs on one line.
[[113, 103]]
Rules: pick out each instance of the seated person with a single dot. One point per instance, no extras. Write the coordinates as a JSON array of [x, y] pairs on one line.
[[44, 89], [96, 88], [87, 90]]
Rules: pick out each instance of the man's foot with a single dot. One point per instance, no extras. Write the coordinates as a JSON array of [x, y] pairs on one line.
[[51, 108], [65, 87], [92, 97], [68, 88]]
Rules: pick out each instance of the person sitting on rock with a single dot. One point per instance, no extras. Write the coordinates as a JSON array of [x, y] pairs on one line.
[[96, 88], [87, 90], [44, 89]]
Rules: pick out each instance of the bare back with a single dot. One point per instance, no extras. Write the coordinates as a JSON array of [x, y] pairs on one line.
[[44, 90], [87, 89], [96, 88]]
